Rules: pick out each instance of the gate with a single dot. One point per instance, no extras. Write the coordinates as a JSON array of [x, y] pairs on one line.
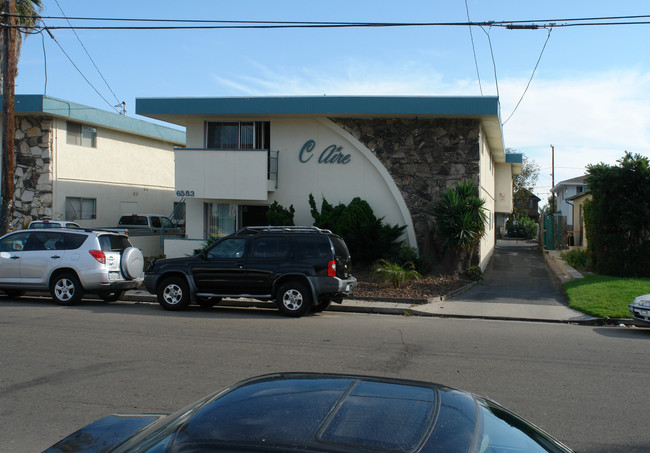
[[554, 232]]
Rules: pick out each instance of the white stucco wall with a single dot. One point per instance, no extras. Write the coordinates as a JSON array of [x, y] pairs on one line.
[[487, 193], [362, 176], [123, 172]]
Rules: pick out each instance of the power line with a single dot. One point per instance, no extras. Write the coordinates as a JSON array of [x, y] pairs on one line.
[[471, 35], [531, 24], [87, 53], [531, 76], [76, 67]]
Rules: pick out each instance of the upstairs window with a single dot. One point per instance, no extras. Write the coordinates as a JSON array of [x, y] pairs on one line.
[[238, 135], [78, 134]]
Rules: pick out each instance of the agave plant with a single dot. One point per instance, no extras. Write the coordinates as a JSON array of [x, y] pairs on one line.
[[393, 273]]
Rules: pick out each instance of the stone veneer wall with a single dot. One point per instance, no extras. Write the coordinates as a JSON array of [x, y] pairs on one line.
[[33, 171], [423, 164]]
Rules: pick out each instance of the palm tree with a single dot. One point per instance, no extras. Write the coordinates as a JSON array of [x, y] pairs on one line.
[[461, 220], [28, 16]]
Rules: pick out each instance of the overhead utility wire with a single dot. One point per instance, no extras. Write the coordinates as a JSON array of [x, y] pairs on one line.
[[88, 54], [222, 24], [471, 36], [531, 76], [503, 22], [46, 28]]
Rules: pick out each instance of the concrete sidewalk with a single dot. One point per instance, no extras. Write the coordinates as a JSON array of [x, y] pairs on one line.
[[520, 284]]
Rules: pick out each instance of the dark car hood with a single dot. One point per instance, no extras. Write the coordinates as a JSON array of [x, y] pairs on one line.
[[104, 434]]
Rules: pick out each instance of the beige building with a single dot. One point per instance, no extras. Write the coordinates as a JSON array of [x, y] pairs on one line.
[[74, 162]]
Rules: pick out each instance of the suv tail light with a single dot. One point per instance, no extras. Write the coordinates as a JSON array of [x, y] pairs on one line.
[[98, 255], [331, 269]]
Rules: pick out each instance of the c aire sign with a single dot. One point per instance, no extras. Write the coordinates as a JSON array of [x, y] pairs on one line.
[[330, 155]]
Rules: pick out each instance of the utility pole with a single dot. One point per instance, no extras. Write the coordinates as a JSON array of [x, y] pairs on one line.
[[8, 95], [553, 178]]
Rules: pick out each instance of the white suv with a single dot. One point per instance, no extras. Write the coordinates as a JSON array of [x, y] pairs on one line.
[[68, 263]]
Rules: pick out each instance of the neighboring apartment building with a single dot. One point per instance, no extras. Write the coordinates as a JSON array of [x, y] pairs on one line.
[[397, 153], [578, 236], [74, 162], [563, 191], [527, 202]]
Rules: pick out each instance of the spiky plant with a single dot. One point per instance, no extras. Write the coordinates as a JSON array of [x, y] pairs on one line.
[[394, 274]]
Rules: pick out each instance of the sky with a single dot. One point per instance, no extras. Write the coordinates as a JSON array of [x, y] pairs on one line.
[[585, 90]]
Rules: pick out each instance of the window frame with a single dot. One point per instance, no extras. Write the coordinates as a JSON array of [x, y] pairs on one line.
[[79, 134]]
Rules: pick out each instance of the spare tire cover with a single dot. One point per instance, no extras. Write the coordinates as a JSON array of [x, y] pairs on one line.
[[132, 263]]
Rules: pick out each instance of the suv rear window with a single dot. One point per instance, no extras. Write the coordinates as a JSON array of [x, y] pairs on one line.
[[312, 247], [113, 243], [339, 246]]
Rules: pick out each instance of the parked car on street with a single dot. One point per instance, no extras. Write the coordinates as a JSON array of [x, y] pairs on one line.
[[300, 268], [69, 263], [53, 224], [312, 412], [640, 309]]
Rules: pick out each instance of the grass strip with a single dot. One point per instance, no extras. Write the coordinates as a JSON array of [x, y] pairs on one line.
[[605, 296]]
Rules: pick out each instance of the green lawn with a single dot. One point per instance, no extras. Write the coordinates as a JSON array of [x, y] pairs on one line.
[[601, 295]]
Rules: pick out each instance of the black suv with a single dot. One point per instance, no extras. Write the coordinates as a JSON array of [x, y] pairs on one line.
[[300, 268]]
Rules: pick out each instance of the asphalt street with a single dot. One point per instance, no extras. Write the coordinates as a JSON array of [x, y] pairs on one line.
[[63, 367]]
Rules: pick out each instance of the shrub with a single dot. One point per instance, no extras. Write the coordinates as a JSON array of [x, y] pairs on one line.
[[394, 274], [577, 258], [523, 227], [367, 237], [403, 254], [279, 215], [474, 273]]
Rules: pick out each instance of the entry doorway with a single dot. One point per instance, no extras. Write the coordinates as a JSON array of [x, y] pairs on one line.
[[253, 215]]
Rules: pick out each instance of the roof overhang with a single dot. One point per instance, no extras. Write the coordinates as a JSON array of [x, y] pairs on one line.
[[36, 104], [181, 111]]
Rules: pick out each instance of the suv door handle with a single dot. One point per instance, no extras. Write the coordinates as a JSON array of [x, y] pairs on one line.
[[15, 257], [55, 256], [240, 265]]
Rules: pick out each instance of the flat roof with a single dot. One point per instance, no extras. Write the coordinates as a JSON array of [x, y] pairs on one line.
[[26, 104], [181, 110]]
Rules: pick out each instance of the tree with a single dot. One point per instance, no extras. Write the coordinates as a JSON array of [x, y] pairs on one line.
[[28, 15], [525, 182], [460, 224], [617, 218]]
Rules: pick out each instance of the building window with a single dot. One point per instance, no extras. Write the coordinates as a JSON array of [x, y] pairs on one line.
[[238, 135], [220, 219], [78, 134], [579, 189], [80, 208]]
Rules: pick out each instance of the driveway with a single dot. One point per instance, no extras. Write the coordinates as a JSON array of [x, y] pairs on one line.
[[517, 274]]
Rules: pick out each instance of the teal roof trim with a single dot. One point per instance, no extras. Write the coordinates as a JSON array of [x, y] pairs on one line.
[[514, 158], [330, 105], [39, 104]]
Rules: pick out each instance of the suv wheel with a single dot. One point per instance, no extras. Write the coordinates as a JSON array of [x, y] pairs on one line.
[[66, 289], [293, 299], [174, 294]]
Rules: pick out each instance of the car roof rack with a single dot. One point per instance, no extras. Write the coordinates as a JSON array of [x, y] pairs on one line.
[[273, 228]]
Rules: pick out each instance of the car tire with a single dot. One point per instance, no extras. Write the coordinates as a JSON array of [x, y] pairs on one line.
[[66, 289], [110, 296], [207, 301], [13, 293], [174, 294], [132, 263], [293, 299], [322, 306]]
